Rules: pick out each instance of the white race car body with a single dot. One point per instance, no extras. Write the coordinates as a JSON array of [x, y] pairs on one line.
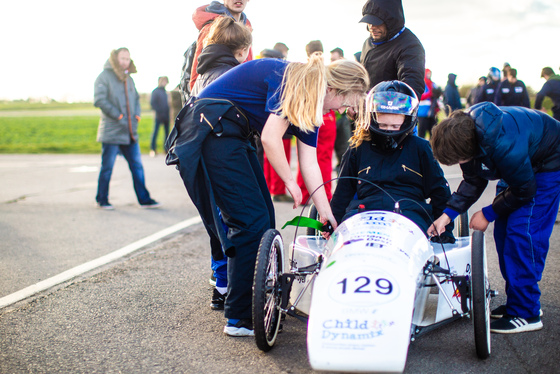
[[371, 291]]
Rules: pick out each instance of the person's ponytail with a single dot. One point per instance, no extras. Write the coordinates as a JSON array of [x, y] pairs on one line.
[[303, 93]]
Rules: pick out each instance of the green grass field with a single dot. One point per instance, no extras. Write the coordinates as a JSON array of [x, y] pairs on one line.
[[67, 128], [61, 134]]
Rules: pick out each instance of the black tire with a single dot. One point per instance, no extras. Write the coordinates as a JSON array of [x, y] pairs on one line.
[[267, 290], [315, 215], [463, 225], [480, 296]]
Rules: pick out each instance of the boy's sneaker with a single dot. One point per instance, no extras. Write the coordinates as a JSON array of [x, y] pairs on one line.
[[152, 204], [513, 325], [105, 206], [500, 311], [241, 327], [218, 300]]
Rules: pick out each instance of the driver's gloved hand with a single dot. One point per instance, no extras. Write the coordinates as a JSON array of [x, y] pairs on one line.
[[444, 239]]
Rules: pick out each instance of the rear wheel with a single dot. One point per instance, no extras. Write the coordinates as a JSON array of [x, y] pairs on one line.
[[480, 296], [266, 290]]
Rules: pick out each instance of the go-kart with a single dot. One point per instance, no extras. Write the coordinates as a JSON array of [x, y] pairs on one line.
[[369, 290]]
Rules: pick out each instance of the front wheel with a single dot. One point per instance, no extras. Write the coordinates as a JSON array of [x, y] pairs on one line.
[[480, 296], [267, 295], [315, 215]]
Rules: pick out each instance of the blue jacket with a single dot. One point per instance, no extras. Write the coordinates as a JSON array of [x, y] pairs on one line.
[[512, 94], [160, 104], [551, 88], [451, 95], [514, 143]]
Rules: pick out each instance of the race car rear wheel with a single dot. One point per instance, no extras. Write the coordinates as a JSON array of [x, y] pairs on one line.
[[315, 215], [480, 296], [267, 290]]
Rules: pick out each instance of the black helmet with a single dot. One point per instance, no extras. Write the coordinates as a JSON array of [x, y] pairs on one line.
[[394, 97]]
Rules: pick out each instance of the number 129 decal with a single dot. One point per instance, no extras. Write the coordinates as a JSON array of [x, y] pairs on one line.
[[363, 287]]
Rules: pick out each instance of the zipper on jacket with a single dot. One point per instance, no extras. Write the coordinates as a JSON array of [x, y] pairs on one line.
[[227, 101], [204, 118], [365, 169], [405, 168]]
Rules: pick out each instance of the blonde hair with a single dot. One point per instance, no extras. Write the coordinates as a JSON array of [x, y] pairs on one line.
[[304, 87], [226, 31]]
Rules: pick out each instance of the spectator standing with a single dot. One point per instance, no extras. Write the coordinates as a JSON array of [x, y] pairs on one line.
[[160, 105], [428, 108], [475, 91], [203, 17], [337, 54], [550, 88], [451, 97], [519, 146], [115, 94], [488, 91], [282, 48], [512, 92], [392, 52]]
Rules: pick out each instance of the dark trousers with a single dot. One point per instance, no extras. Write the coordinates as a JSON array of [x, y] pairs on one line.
[[522, 242], [241, 193]]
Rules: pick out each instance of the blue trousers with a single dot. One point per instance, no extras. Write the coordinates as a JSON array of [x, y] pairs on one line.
[[157, 123], [242, 196], [131, 153], [522, 242]]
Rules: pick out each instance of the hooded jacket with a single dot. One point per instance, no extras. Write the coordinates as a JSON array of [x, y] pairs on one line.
[[401, 56], [513, 143], [202, 18], [115, 94], [214, 61], [451, 95]]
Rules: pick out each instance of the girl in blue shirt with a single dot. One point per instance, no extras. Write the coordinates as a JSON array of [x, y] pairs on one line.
[[212, 147]]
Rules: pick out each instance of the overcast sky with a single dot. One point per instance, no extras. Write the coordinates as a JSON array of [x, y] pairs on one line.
[[57, 48]]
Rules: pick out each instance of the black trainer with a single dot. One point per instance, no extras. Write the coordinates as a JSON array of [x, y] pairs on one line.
[[500, 311], [513, 325], [218, 300]]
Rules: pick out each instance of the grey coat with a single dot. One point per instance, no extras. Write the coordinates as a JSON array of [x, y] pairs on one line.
[[109, 96]]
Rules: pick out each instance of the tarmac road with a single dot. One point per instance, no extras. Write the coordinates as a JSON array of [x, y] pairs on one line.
[[149, 311]]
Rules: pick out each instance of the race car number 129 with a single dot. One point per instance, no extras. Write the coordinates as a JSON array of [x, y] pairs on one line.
[[363, 287]]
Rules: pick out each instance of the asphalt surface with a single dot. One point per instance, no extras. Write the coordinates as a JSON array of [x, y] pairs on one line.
[[149, 311]]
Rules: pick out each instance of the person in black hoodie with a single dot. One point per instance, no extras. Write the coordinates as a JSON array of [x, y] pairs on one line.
[[392, 52], [227, 45], [451, 96]]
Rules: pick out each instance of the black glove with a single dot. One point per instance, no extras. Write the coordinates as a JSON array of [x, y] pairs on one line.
[[444, 239]]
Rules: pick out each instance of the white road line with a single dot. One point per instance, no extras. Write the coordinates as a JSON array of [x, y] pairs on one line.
[[103, 260]]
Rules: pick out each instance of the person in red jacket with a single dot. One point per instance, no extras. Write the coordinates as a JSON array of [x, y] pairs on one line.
[[203, 17]]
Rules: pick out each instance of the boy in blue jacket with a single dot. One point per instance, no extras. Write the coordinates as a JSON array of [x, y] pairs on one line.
[[518, 146]]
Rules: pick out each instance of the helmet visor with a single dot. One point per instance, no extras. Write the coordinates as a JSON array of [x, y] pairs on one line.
[[394, 103]]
